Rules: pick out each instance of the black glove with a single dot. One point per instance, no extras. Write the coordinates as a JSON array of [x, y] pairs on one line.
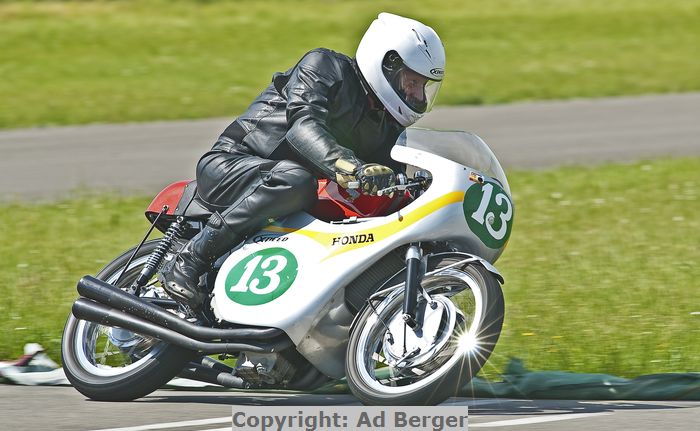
[[369, 177]]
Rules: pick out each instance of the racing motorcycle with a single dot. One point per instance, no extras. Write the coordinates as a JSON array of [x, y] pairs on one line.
[[397, 292]]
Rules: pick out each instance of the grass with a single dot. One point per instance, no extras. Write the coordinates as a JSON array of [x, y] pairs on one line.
[[117, 61], [601, 270], [45, 249]]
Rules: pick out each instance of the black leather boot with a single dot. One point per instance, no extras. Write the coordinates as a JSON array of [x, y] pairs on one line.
[[180, 276]]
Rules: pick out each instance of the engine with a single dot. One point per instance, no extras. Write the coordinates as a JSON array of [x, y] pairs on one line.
[[260, 369]]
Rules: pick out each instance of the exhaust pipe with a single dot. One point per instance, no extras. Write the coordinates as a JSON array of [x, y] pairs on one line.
[[208, 375], [105, 293], [86, 309], [209, 370]]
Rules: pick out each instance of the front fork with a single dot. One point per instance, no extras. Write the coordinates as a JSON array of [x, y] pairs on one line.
[[414, 275]]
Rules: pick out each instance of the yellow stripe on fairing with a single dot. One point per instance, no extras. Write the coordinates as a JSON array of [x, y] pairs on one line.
[[273, 228], [379, 232]]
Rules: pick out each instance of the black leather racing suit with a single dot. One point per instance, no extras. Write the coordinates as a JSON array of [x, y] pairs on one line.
[[265, 163]]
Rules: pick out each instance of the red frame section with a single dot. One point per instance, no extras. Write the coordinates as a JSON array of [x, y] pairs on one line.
[[336, 203], [169, 196]]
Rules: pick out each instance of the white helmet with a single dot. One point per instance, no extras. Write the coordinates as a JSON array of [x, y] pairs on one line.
[[403, 62]]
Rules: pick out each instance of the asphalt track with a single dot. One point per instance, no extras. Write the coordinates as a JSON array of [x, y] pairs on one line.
[[63, 408], [50, 163]]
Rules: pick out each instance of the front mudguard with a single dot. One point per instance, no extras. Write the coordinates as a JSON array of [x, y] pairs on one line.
[[483, 262], [426, 260]]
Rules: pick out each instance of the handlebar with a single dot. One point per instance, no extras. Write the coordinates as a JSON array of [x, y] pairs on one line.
[[403, 183], [398, 188]]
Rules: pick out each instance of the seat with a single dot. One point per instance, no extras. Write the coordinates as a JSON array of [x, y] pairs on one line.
[[190, 205]]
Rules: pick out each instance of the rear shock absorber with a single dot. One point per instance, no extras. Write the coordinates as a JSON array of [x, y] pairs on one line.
[[175, 230]]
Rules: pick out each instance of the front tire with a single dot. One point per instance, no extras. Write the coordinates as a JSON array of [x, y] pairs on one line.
[[458, 339], [108, 364]]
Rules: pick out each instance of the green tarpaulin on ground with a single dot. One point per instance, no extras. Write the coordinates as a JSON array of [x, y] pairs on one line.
[[519, 382]]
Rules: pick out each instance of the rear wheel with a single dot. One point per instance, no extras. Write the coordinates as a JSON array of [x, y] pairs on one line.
[[387, 363], [112, 364]]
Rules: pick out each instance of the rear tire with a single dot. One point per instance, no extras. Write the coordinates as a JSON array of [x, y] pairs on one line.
[[453, 364], [153, 367]]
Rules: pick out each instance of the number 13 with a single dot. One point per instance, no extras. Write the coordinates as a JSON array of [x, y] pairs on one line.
[[480, 214]]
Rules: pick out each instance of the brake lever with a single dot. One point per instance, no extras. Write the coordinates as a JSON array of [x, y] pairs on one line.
[[397, 188], [390, 190], [355, 185]]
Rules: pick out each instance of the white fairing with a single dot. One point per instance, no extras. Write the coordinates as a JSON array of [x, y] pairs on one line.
[[419, 47], [329, 256]]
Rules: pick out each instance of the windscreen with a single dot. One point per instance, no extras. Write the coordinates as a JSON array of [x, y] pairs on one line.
[[464, 148]]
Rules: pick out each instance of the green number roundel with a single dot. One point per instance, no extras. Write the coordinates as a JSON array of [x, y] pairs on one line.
[[262, 276], [489, 213]]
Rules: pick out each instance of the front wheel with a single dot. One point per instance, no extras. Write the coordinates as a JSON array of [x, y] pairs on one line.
[[387, 363], [112, 364]]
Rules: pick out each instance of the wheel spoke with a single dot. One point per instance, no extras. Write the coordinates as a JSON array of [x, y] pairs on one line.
[[130, 353], [105, 353]]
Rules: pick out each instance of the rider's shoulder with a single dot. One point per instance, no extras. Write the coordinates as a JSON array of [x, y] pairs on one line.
[[325, 59]]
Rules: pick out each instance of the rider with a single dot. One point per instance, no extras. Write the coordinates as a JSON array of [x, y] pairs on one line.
[[326, 117]]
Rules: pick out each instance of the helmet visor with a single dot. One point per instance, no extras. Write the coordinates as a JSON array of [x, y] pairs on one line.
[[415, 90]]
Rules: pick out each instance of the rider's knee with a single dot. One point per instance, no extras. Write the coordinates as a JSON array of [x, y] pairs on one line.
[[301, 182]]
